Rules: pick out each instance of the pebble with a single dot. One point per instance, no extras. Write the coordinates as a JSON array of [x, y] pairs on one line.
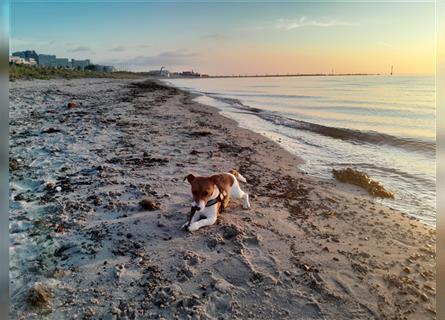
[[424, 297]]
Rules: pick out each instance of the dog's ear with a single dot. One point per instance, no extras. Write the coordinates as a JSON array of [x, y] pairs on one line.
[[216, 179], [190, 177]]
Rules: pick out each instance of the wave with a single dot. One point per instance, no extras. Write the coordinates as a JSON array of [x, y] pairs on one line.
[[285, 96], [351, 135], [371, 137]]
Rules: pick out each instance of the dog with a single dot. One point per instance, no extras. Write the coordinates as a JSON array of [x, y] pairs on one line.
[[211, 195]]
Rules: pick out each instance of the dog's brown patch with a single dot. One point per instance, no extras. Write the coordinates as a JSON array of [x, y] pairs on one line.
[[203, 187]]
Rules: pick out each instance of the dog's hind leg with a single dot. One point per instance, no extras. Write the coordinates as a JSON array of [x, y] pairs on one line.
[[226, 201], [236, 192]]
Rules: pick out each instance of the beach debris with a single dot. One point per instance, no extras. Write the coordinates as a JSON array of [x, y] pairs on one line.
[[145, 160], [328, 213], [194, 152], [61, 251], [231, 231], [200, 133], [19, 197], [361, 179], [58, 188], [148, 204], [165, 296], [192, 258], [72, 105], [424, 297], [38, 295], [233, 148], [59, 228], [14, 164], [213, 241], [51, 130], [49, 186], [119, 270]]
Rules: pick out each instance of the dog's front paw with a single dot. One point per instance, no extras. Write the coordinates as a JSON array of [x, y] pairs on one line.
[[192, 227], [184, 226]]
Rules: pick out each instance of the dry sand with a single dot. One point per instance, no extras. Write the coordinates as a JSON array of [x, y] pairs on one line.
[[308, 249]]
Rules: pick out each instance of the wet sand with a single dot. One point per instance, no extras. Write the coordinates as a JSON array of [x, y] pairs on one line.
[[307, 249]]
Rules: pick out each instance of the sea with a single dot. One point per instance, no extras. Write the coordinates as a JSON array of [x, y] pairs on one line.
[[382, 125]]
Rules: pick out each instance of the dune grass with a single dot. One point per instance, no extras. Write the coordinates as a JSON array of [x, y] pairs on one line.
[[29, 73]]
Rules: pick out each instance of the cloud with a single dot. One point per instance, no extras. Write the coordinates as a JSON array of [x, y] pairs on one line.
[[170, 58], [289, 24], [214, 36], [143, 46], [28, 42], [80, 49], [118, 49]]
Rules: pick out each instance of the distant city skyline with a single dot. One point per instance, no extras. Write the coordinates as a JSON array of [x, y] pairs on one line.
[[233, 38]]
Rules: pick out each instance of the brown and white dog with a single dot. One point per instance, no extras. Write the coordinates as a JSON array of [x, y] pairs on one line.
[[210, 193]]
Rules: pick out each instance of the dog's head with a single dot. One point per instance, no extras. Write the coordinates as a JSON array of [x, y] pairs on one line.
[[202, 189]]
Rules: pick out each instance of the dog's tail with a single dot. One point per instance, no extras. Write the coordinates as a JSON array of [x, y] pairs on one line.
[[238, 175]]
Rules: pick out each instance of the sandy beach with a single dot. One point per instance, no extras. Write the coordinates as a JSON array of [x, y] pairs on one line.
[[82, 242]]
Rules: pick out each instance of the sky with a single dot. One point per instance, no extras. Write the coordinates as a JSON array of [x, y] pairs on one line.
[[233, 38]]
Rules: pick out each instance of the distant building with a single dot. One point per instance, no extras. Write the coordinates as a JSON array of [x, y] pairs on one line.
[[63, 63], [16, 60], [32, 62], [159, 73], [189, 74], [80, 64], [109, 69], [47, 60], [23, 61], [30, 57], [28, 54], [100, 68]]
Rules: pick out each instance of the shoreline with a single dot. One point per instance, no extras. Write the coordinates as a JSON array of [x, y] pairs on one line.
[[279, 127], [307, 248], [272, 76]]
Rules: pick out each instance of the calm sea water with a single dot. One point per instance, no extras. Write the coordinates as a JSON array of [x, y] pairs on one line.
[[382, 125]]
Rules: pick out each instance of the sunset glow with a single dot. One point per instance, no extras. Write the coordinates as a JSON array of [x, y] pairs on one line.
[[234, 38]]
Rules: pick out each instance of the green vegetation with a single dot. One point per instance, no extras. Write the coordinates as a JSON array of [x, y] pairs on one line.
[[29, 73]]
